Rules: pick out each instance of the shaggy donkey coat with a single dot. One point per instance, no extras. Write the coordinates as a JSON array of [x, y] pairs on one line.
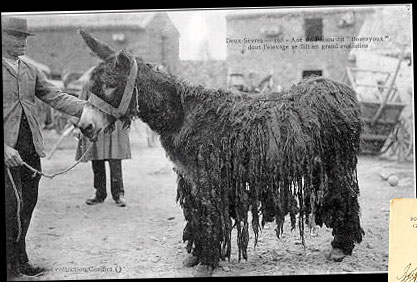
[[236, 153]]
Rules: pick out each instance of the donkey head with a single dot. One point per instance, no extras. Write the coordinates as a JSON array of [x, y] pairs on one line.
[[112, 88]]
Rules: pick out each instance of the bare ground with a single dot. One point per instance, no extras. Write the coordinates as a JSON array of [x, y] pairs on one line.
[[144, 239]]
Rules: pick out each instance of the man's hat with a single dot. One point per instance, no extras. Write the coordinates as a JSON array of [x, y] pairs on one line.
[[15, 25]]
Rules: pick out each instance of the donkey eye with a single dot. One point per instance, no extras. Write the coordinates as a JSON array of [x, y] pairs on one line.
[[108, 91]]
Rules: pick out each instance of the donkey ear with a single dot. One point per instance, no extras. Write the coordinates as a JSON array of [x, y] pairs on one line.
[[123, 60], [102, 50]]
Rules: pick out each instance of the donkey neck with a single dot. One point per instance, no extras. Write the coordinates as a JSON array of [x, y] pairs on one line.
[[159, 102]]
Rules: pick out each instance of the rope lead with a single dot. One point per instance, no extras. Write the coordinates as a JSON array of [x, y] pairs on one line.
[[19, 205]]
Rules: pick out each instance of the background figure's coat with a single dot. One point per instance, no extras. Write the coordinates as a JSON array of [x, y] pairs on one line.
[[111, 145]]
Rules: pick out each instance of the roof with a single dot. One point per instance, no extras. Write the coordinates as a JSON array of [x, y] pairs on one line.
[[244, 14], [394, 23], [89, 20]]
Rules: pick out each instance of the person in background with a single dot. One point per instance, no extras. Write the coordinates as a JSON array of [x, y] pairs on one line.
[[23, 142], [112, 148]]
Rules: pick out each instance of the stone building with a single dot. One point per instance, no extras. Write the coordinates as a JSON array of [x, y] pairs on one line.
[[259, 44], [208, 73], [58, 45]]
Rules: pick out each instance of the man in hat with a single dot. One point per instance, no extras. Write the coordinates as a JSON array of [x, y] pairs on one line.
[[23, 142]]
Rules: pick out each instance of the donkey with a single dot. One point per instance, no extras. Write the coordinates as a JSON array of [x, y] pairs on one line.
[[235, 152]]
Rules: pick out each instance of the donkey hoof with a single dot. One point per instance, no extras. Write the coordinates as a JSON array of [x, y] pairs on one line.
[[203, 270], [336, 255], [190, 261]]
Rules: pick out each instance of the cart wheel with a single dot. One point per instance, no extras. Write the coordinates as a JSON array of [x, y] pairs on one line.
[[389, 142], [402, 146]]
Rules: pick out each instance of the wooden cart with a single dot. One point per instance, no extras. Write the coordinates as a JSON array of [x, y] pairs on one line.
[[384, 128]]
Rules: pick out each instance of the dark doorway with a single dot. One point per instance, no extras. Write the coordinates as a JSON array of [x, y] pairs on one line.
[[308, 73]]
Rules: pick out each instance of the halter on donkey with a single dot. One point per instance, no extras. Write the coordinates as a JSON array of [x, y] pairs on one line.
[[235, 154], [121, 110]]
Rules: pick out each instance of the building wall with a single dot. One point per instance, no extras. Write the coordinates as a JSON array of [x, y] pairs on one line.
[[287, 66], [211, 74], [63, 49], [59, 50], [165, 42]]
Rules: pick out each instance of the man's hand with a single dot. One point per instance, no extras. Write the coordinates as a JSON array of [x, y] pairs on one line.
[[11, 157]]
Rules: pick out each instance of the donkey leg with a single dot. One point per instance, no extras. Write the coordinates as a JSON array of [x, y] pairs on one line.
[[347, 230], [339, 210], [210, 239], [188, 202], [203, 228]]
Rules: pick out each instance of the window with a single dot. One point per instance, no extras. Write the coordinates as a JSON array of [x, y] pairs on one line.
[[273, 32], [348, 19], [118, 37], [313, 29], [308, 73]]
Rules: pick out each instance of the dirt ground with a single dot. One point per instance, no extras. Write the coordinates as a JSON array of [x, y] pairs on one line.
[[144, 240]]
